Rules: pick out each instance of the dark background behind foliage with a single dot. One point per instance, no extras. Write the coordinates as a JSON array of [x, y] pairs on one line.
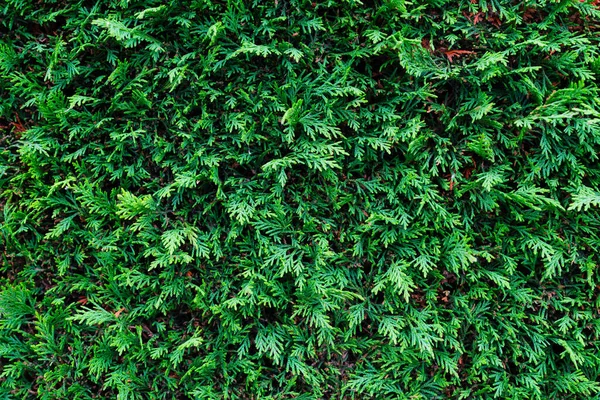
[[296, 199]]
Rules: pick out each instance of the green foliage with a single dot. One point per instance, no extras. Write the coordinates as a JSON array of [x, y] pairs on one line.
[[297, 199]]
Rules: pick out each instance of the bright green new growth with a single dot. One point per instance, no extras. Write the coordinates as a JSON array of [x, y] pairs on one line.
[[295, 199]]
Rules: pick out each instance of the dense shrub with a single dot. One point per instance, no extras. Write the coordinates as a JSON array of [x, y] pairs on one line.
[[297, 199]]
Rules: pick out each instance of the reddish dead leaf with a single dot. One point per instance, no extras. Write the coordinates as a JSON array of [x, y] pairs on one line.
[[457, 53], [189, 274], [426, 44], [83, 301], [147, 330], [530, 14], [445, 297], [494, 20], [18, 125], [467, 172], [119, 312], [478, 18]]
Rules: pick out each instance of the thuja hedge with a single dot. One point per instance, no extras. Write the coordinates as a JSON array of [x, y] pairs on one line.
[[297, 199]]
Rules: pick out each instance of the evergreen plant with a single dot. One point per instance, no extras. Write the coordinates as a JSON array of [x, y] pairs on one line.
[[334, 199]]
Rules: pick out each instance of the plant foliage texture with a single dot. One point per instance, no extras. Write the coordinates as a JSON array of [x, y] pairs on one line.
[[293, 199]]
